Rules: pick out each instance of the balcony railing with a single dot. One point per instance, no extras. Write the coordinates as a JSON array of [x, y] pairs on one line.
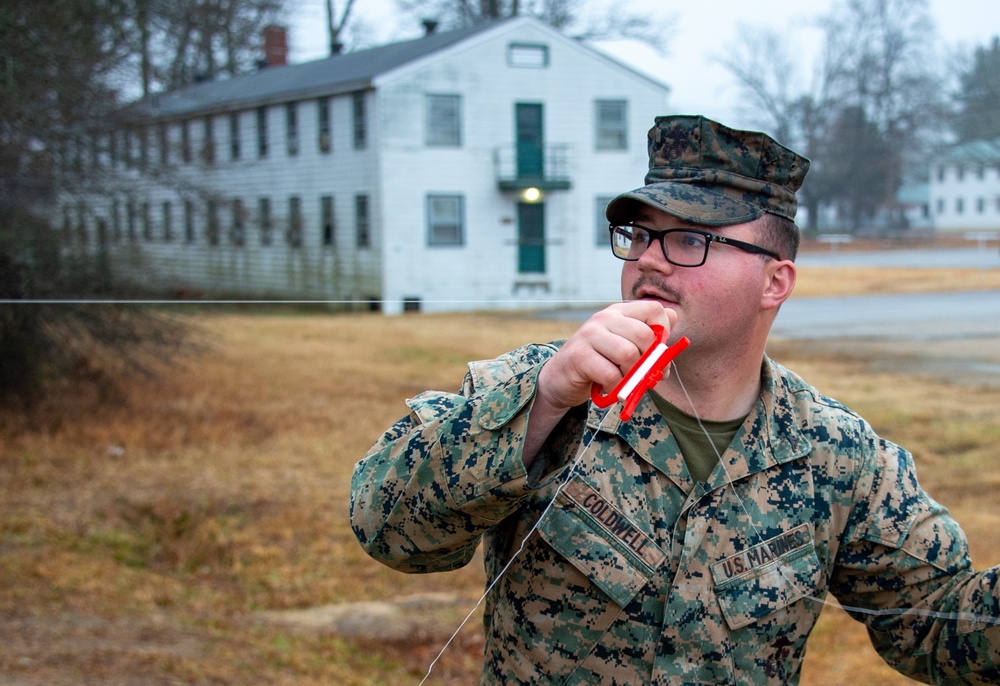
[[529, 166]]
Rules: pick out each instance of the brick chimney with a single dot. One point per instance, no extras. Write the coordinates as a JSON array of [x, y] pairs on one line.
[[275, 46]]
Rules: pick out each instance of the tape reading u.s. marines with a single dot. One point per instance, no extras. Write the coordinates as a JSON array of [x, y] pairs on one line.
[[763, 553]]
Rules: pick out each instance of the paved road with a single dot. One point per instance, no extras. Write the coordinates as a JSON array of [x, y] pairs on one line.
[[986, 257], [911, 316], [954, 335]]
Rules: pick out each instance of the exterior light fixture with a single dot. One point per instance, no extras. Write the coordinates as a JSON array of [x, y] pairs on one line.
[[531, 195]]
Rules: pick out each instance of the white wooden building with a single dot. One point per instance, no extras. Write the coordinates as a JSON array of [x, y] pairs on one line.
[[460, 170], [965, 188]]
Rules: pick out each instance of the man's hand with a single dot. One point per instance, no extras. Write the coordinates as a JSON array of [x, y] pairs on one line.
[[602, 351]]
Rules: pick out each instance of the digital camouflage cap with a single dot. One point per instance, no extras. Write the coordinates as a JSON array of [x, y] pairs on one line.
[[707, 173]]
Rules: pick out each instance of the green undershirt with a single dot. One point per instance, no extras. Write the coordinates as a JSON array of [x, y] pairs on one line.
[[698, 453]]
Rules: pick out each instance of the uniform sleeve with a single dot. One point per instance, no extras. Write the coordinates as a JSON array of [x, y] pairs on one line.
[[904, 550], [429, 488]]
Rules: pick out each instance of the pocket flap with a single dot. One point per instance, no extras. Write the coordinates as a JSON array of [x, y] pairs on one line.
[[600, 541], [766, 578]]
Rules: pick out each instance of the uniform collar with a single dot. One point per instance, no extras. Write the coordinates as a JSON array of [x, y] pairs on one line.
[[771, 423]]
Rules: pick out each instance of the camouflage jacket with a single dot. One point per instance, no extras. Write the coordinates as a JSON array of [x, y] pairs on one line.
[[637, 575]]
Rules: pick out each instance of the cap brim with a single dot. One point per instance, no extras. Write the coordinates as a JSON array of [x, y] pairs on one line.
[[690, 202]]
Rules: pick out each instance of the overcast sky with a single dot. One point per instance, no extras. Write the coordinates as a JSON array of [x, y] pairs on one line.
[[701, 32]]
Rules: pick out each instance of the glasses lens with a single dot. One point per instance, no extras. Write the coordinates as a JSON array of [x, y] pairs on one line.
[[685, 248], [627, 242]]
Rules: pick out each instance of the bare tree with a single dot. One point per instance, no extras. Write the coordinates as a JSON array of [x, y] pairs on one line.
[[591, 20], [873, 81], [177, 42], [336, 25], [59, 95]]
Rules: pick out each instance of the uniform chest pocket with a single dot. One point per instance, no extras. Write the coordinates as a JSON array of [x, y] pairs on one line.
[[601, 542], [767, 578]]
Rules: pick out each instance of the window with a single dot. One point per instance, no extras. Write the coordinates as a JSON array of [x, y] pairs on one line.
[[212, 221], [168, 222], [67, 224], [361, 221], [130, 219], [292, 127], [185, 141], [234, 136], [445, 220], [444, 120], [528, 55], [360, 116], [325, 141], [112, 149], [264, 220], [611, 125], [143, 135], [189, 232], [959, 205], [601, 221], [294, 236], [262, 132], [940, 173], [237, 233], [940, 206], [326, 219], [126, 148], [147, 223], [208, 142], [980, 205], [116, 220], [81, 222], [164, 136], [960, 172]]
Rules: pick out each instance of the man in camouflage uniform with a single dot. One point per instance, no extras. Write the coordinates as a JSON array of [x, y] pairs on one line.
[[695, 543]]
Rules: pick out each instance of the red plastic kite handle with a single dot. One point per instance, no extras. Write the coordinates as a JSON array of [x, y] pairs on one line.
[[646, 373]]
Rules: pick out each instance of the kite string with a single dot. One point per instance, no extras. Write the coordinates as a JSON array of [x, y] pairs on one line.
[[932, 614], [953, 616], [524, 541]]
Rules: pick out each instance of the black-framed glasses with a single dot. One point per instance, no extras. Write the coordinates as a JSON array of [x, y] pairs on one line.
[[681, 247]]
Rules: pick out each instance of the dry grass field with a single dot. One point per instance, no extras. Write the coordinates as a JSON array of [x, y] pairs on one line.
[[170, 536]]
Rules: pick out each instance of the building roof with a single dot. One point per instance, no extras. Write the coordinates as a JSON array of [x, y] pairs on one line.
[[333, 75], [974, 152]]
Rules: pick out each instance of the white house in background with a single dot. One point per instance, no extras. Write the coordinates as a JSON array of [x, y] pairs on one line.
[[965, 188], [461, 170]]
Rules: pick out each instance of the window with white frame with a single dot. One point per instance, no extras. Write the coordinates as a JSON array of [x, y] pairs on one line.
[[601, 234], [261, 132], [294, 235], [189, 229], [168, 221], [445, 220], [362, 221], [292, 127], [611, 132], [234, 136], [532, 55], [443, 120], [323, 128], [326, 220], [208, 142], [360, 115], [264, 220]]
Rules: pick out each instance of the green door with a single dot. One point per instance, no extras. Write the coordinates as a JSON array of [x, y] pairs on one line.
[[530, 141], [531, 237]]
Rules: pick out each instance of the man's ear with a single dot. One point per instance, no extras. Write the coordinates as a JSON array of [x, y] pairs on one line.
[[779, 282]]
